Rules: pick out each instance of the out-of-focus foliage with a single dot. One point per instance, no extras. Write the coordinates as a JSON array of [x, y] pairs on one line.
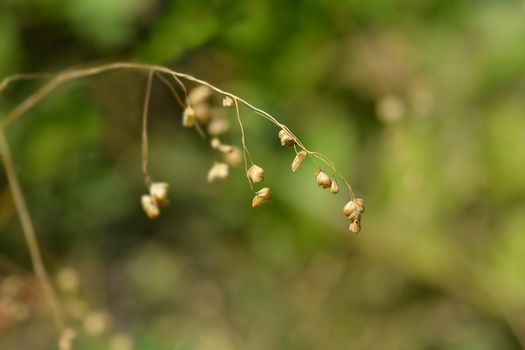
[[421, 103]]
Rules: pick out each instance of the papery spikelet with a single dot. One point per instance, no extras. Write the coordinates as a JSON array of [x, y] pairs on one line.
[[323, 180], [218, 171], [334, 188], [188, 117], [264, 195], [150, 206], [256, 173], [234, 157], [286, 139], [355, 227], [159, 192], [199, 95], [228, 102], [298, 160]]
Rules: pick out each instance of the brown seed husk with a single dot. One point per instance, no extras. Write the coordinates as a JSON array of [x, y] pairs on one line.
[[355, 227], [298, 160], [256, 173], [323, 180], [334, 188], [150, 206]]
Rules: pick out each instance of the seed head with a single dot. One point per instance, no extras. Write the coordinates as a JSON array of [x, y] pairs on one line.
[[218, 171], [225, 148], [323, 180], [199, 95], [215, 143], [256, 173], [218, 126], [355, 227], [298, 160], [150, 206], [188, 117], [234, 157], [286, 139], [334, 188], [227, 102], [264, 195], [159, 192], [354, 208], [203, 113]]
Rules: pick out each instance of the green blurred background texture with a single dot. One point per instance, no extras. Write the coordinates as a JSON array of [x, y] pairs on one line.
[[420, 103]]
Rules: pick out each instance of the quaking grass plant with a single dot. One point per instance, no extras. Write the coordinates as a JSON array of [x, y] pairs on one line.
[[199, 113]]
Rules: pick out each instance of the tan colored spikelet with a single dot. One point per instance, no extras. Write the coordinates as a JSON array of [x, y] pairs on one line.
[[225, 148], [203, 113], [256, 173], [218, 171], [262, 196], [65, 340], [228, 102], [286, 139], [361, 203], [334, 188], [323, 180], [234, 157], [159, 192], [199, 95], [150, 206], [218, 126], [298, 160], [215, 143], [188, 117], [355, 226]]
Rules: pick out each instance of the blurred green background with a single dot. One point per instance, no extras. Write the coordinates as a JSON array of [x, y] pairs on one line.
[[420, 103]]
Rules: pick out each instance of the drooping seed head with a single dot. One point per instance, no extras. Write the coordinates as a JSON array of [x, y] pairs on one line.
[[227, 102], [218, 171], [225, 148], [218, 126], [234, 157], [334, 188], [262, 196], [159, 192], [286, 139], [297, 161], [199, 94], [188, 117], [150, 206], [323, 180], [361, 203], [203, 113], [215, 143], [256, 173], [355, 227]]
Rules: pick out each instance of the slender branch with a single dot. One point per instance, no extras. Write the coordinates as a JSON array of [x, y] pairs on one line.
[[145, 110], [243, 141], [29, 233]]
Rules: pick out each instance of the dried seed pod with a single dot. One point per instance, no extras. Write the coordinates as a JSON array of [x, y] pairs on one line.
[[262, 196], [218, 126], [159, 192], [234, 157], [199, 94], [350, 208], [355, 227], [215, 143], [361, 203], [218, 171], [256, 173], [323, 180], [225, 148], [298, 160], [334, 188], [188, 117], [203, 113], [227, 102], [150, 206], [286, 139]]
